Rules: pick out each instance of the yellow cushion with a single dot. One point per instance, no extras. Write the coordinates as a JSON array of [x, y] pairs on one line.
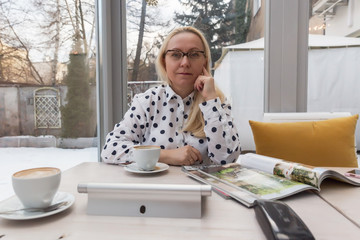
[[318, 143]]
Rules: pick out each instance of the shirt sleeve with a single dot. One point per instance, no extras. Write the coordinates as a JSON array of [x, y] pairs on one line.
[[129, 132], [221, 133]]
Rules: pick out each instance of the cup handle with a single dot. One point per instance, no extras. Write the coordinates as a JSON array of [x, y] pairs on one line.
[[131, 155]]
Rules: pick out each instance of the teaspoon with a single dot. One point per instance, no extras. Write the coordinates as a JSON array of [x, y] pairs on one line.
[[46, 209]]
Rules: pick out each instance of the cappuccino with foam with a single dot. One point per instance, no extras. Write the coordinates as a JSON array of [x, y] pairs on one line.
[[146, 156], [37, 172], [36, 187]]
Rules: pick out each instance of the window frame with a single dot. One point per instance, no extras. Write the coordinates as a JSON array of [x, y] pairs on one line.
[[111, 66], [286, 55]]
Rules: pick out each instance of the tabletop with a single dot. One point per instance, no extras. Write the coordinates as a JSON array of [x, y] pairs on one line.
[[343, 197], [221, 218]]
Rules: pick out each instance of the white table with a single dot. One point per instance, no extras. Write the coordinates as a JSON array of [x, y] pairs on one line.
[[222, 219], [343, 197]]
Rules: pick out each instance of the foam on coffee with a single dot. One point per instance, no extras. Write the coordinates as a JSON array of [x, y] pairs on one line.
[[37, 172], [146, 147]]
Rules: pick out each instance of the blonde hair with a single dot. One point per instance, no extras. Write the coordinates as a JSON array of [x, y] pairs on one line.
[[196, 122]]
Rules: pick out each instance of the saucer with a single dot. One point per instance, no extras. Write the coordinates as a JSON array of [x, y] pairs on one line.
[[135, 169], [14, 203]]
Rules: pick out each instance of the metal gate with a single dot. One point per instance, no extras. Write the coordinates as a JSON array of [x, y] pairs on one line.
[[47, 108]]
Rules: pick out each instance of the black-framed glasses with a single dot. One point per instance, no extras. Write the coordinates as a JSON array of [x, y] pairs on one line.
[[177, 54]]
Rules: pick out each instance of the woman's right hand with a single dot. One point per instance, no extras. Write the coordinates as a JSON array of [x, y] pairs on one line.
[[183, 156]]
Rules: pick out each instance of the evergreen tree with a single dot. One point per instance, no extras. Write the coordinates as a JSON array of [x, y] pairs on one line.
[[223, 22], [242, 20], [76, 114], [216, 19]]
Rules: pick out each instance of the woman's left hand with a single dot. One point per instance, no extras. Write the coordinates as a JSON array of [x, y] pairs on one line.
[[205, 85], [186, 155]]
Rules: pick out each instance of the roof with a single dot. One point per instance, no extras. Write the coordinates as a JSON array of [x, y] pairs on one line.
[[315, 42]]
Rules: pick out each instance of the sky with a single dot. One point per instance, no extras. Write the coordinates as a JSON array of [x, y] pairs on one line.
[[164, 11], [28, 19], [16, 159], [29, 24]]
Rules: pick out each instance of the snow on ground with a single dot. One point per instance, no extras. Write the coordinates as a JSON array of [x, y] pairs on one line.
[[16, 159]]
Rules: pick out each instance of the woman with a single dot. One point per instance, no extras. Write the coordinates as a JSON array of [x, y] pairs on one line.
[[186, 116]]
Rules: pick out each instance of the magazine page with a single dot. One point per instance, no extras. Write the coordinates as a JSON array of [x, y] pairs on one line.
[[223, 189], [255, 183], [327, 173], [289, 170], [260, 162], [298, 172]]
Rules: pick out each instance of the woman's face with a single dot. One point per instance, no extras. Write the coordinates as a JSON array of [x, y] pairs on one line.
[[182, 71]]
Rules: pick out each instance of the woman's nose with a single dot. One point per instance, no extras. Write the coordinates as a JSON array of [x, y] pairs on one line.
[[185, 61]]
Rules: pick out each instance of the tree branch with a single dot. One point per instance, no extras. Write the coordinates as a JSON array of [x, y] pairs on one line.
[[37, 78]]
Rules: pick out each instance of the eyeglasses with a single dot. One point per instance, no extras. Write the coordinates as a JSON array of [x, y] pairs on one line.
[[177, 54]]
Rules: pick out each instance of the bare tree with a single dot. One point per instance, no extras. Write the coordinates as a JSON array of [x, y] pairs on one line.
[[140, 40], [79, 16], [145, 23], [68, 23], [14, 48]]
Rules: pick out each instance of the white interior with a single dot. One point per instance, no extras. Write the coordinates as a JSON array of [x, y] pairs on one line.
[[333, 80]]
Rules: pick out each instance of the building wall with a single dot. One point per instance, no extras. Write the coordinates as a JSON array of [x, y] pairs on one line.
[[257, 25], [9, 111]]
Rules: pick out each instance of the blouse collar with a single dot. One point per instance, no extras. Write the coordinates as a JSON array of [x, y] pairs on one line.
[[170, 94]]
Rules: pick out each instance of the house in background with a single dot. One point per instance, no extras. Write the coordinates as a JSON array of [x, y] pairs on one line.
[[327, 17], [257, 24], [15, 68], [335, 17]]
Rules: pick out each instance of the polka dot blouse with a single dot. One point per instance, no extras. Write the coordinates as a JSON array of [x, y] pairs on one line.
[[158, 116]]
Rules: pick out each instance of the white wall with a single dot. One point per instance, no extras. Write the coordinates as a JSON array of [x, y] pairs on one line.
[[334, 82], [333, 85], [243, 84]]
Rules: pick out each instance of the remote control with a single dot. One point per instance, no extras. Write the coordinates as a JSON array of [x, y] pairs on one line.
[[279, 221]]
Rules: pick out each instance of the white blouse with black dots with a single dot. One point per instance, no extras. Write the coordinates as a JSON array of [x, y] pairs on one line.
[[157, 117]]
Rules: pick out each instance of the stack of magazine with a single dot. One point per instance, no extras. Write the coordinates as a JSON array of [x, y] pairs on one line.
[[258, 176]]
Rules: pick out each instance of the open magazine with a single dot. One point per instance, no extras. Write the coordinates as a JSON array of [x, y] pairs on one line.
[[258, 176]]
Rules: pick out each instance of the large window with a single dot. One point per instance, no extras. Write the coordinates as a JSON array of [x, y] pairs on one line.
[[47, 84], [47, 69], [282, 57]]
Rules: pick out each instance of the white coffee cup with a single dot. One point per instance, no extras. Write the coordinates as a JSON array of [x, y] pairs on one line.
[[36, 187], [146, 156]]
